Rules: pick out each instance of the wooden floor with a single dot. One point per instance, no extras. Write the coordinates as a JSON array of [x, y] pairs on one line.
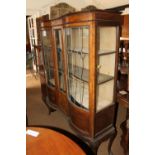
[[37, 113]]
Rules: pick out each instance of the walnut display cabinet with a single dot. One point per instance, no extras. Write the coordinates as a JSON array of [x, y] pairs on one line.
[[80, 59], [91, 47]]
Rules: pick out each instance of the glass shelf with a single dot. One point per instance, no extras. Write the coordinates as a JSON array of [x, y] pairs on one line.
[[105, 52], [103, 78], [83, 74], [79, 51], [79, 72]]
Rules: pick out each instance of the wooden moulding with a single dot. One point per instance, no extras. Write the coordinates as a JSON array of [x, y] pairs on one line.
[[97, 15], [105, 16], [78, 17]]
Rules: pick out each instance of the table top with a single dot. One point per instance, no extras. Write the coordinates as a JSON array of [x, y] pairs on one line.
[[50, 142]]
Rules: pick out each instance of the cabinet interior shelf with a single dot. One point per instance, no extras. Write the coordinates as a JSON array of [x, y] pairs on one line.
[[83, 51], [83, 74], [105, 52], [100, 52]]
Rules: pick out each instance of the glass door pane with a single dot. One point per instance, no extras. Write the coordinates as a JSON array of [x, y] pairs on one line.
[[58, 43], [77, 50], [105, 66], [48, 57]]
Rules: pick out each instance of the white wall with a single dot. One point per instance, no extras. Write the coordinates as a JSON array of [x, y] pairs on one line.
[[41, 7]]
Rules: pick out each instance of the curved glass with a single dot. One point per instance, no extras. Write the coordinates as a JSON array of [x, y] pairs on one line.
[[48, 57], [77, 50]]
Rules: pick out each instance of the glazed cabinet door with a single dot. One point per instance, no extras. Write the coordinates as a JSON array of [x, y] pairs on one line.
[[49, 67], [60, 69], [48, 57], [60, 59], [77, 51], [106, 60]]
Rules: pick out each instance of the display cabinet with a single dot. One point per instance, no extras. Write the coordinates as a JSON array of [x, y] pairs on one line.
[[91, 47], [80, 60]]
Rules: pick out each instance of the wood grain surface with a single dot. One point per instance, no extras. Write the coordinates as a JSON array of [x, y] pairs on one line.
[[50, 142]]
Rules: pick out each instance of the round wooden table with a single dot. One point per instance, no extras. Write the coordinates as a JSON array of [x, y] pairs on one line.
[[50, 142]]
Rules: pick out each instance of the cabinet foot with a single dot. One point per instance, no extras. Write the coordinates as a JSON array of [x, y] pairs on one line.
[[51, 110], [111, 142], [94, 147]]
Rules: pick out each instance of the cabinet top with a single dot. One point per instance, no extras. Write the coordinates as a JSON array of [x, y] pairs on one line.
[[77, 17], [91, 15]]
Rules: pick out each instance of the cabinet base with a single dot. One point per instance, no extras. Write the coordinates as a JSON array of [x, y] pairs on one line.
[[107, 134]]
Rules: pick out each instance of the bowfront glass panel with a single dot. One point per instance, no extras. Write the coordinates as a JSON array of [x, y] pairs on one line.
[[77, 50], [58, 43], [106, 52], [48, 57]]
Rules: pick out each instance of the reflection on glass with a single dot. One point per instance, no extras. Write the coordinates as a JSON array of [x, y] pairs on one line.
[[77, 51], [60, 59], [48, 57], [105, 67]]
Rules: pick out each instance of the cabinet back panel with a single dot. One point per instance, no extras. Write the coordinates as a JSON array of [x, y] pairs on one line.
[[107, 38], [104, 95]]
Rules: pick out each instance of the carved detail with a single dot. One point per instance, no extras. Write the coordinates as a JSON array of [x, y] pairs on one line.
[[60, 10]]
